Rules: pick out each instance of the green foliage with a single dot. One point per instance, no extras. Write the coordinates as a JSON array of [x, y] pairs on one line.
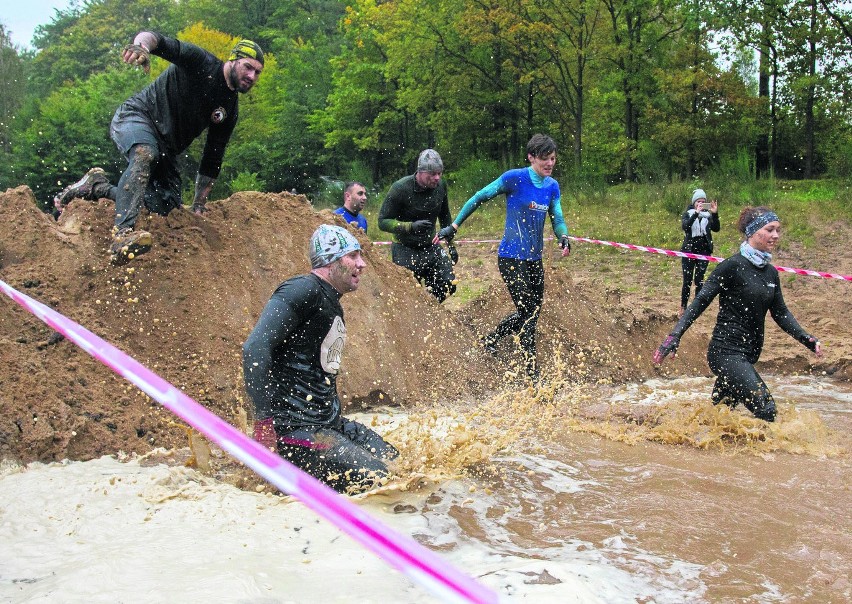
[[472, 176], [630, 89], [247, 181], [70, 133], [83, 42]]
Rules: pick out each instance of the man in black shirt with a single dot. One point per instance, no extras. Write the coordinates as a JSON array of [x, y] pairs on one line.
[[412, 206], [152, 128], [290, 365]]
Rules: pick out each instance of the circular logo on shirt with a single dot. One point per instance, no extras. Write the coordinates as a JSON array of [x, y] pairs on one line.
[[218, 116]]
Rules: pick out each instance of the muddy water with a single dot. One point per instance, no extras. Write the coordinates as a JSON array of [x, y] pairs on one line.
[[642, 493], [701, 503]]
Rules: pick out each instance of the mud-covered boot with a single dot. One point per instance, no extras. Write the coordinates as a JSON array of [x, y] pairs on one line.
[[127, 244], [83, 188]]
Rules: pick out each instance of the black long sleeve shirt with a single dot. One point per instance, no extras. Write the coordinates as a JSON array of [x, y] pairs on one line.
[[746, 293], [292, 356]]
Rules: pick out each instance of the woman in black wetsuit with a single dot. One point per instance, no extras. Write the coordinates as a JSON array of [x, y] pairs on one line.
[[747, 286], [698, 221]]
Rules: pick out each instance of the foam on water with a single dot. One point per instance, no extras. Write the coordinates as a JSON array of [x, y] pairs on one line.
[[106, 531]]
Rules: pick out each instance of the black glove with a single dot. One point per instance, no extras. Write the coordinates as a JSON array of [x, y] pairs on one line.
[[454, 253], [447, 233], [421, 226], [668, 347], [811, 342], [565, 243]]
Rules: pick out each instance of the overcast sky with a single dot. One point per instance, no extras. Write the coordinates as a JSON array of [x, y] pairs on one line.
[[21, 17]]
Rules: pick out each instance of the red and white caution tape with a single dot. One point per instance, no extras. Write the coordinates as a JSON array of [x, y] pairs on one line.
[[403, 553], [657, 250]]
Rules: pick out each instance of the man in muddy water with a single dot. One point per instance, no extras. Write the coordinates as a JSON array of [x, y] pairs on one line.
[[290, 365], [152, 128], [412, 206], [354, 200]]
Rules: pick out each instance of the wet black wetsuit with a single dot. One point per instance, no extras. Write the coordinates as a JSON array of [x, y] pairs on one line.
[[746, 293], [697, 239], [290, 364], [405, 203]]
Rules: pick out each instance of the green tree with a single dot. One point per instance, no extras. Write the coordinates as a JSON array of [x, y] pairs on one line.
[[637, 28], [12, 81], [81, 42], [70, 133]]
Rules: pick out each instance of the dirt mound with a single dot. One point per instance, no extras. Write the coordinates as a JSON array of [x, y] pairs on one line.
[[185, 309]]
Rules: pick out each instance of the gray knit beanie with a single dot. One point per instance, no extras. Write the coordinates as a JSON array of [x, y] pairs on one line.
[[698, 194], [429, 161]]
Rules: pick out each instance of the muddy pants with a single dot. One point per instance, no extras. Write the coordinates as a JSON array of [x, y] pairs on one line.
[[525, 282], [152, 175], [737, 382], [431, 266], [349, 457]]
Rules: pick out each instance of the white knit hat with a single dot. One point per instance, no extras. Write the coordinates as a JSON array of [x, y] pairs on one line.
[[330, 243], [698, 194]]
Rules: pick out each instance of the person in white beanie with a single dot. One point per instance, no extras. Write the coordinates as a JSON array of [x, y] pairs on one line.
[[699, 221], [290, 365], [413, 205]]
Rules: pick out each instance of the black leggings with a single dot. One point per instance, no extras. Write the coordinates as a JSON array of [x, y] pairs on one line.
[[692, 270], [349, 457], [738, 382], [525, 282]]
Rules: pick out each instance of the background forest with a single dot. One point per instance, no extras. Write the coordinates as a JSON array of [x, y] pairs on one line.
[[634, 91]]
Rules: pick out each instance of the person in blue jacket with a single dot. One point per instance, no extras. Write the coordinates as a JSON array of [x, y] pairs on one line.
[[354, 200], [531, 196]]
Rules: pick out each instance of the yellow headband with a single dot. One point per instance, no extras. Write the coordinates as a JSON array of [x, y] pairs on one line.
[[246, 49]]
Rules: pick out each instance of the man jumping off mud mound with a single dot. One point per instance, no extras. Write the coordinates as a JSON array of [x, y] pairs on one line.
[[152, 128], [290, 365]]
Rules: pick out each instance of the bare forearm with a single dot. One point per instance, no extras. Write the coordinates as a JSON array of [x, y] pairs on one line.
[[203, 186]]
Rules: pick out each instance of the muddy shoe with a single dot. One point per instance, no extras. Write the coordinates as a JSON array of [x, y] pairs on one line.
[[83, 188], [127, 244]]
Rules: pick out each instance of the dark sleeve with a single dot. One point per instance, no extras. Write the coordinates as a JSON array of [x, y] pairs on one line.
[[389, 214], [218, 136], [785, 319], [167, 48], [715, 224], [712, 287], [281, 316]]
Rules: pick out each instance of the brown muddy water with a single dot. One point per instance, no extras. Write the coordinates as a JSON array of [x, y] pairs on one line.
[[637, 493]]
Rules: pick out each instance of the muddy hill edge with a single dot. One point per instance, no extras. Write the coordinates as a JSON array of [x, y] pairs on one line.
[[185, 309]]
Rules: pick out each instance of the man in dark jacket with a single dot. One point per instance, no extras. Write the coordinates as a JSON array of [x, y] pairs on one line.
[[413, 204], [290, 365], [152, 128]]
